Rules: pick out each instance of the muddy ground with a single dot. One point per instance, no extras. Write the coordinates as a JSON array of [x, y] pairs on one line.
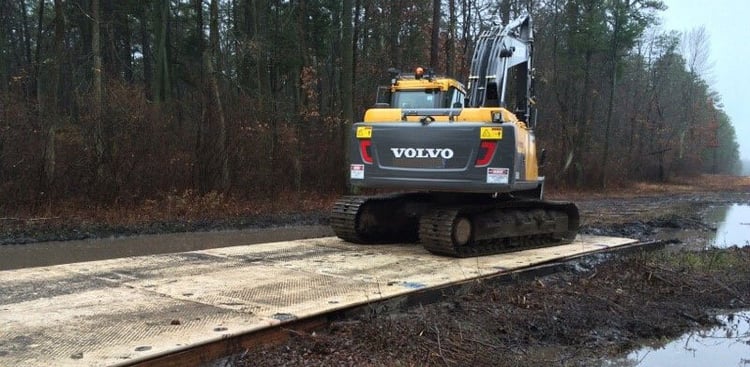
[[581, 317], [597, 309]]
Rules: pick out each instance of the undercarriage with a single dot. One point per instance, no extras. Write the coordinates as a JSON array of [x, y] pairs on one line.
[[455, 224]]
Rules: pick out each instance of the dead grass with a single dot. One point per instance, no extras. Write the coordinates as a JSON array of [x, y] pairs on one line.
[[678, 185], [191, 206], [185, 206]]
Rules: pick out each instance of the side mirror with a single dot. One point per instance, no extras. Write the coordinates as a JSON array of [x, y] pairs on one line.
[[384, 95], [507, 52], [542, 158]]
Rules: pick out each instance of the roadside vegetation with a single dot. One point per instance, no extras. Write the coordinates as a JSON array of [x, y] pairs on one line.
[[110, 105]]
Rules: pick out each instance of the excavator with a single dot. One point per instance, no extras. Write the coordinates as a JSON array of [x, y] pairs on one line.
[[455, 168]]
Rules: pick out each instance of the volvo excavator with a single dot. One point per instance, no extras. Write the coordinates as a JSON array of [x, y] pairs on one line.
[[459, 164]]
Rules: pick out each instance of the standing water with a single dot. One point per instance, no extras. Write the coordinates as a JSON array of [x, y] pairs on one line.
[[732, 225], [727, 345]]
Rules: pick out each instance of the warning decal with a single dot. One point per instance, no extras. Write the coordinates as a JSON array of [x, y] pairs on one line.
[[491, 133], [364, 132], [357, 172], [497, 175]]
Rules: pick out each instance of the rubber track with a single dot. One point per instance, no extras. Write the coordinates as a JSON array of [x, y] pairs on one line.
[[375, 219], [344, 218], [435, 225], [435, 231]]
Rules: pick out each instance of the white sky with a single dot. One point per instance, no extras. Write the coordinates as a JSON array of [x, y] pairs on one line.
[[728, 27]]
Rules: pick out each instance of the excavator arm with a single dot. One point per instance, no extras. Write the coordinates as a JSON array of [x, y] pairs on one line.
[[503, 58]]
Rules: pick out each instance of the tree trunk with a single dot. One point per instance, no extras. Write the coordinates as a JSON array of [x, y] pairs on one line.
[[25, 32], [614, 47], [347, 62], [435, 37], [51, 120], [356, 32], [505, 11], [148, 73], [347, 65], [202, 168], [37, 55], [214, 70], [4, 56], [450, 44], [394, 27], [466, 30], [98, 91], [120, 37], [162, 82], [582, 124], [59, 56], [608, 121]]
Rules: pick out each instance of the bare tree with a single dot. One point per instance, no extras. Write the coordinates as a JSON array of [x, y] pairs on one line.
[[696, 49]]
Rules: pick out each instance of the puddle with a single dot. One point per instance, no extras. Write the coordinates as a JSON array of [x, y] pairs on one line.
[[732, 225], [54, 253], [728, 345]]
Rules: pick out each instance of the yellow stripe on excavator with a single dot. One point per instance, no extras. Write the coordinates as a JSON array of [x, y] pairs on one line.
[[480, 114], [443, 84]]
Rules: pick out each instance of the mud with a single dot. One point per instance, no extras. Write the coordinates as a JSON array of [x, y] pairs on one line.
[[29, 231], [64, 252]]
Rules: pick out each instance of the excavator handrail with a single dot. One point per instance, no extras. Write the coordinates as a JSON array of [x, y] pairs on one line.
[[450, 112]]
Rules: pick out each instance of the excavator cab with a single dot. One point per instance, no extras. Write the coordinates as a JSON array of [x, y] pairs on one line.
[[420, 90]]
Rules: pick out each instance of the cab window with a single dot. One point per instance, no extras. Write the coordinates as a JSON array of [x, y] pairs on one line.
[[423, 98], [456, 98]]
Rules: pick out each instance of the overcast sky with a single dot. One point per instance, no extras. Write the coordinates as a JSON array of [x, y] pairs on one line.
[[728, 27]]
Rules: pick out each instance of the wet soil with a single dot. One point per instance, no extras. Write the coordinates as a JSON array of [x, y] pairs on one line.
[[19, 231]]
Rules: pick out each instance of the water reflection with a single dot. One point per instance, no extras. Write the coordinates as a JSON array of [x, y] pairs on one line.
[[54, 253], [728, 345], [732, 225]]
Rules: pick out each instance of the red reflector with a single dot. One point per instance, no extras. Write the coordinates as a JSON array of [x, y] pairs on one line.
[[486, 152], [364, 150]]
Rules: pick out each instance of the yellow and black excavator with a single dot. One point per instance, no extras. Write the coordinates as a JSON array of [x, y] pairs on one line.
[[462, 160]]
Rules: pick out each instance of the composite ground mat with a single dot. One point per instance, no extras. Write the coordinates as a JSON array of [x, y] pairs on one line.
[[121, 311]]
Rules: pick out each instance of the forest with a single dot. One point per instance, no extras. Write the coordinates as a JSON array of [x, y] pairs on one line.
[[113, 102]]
